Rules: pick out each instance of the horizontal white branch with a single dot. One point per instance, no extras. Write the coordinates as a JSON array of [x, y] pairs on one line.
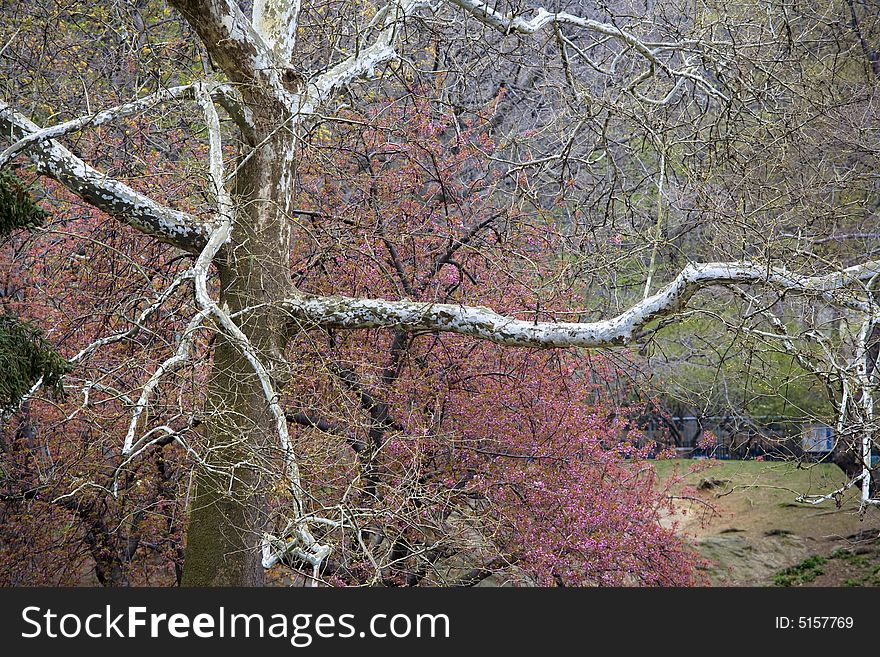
[[833, 495], [94, 120], [486, 324]]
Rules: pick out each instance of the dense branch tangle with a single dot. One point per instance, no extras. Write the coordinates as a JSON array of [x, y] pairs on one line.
[[652, 53], [248, 237]]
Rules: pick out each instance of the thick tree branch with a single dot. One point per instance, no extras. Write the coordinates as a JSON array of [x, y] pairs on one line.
[[486, 324], [111, 196], [276, 22], [238, 49]]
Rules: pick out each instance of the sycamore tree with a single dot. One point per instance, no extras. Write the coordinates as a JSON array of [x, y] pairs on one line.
[[340, 239]]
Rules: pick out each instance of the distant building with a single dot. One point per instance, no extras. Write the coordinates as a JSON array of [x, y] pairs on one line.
[[817, 438]]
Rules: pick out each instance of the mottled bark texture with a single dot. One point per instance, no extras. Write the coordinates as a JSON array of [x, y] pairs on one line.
[[228, 509]]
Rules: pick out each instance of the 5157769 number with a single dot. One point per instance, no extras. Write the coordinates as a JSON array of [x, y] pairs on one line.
[[815, 622]]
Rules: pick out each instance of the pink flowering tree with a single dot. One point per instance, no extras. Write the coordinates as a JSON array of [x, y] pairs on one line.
[[522, 459]]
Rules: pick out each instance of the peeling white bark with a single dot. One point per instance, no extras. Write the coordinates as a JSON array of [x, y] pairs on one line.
[[276, 21], [201, 267], [858, 368], [297, 540], [257, 55], [239, 49], [109, 195], [230, 100], [486, 324], [866, 381]]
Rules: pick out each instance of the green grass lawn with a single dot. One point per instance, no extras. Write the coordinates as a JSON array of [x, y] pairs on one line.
[[750, 526], [809, 478], [763, 494]]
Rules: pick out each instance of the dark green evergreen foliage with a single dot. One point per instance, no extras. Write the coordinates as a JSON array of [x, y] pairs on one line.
[[25, 356], [17, 209]]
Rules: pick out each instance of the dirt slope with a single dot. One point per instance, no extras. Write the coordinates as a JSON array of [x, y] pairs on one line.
[[745, 522]]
